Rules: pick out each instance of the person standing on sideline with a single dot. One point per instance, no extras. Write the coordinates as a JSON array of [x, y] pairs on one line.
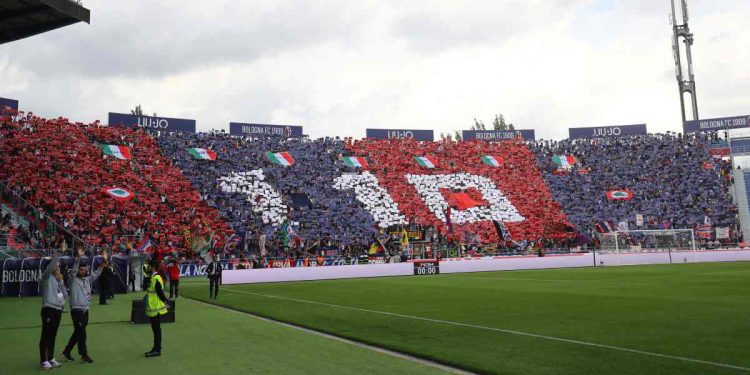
[[157, 305], [214, 277], [173, 271], [53, 301], [79, 282], [105, 282]]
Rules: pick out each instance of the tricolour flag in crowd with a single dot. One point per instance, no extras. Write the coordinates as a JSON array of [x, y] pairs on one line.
[[355, 161], [120, 152], [202, 153], [492, 161], [280, 158], [564, 161], [620, 195], [144, 246], [426, 161], [120, 194]]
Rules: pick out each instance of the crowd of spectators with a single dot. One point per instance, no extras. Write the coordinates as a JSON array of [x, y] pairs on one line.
[[517, 177], [674, 180], [185, 204], [318, 212], [60, 168]]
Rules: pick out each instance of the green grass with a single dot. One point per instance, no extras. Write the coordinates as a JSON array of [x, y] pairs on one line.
[[205, 340], [695, 311]]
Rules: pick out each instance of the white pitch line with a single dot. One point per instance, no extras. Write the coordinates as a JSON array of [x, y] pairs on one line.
[[450, 276], [508, 331], [358, 344]]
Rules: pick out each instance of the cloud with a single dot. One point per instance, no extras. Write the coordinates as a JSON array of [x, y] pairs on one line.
[[340, 67]]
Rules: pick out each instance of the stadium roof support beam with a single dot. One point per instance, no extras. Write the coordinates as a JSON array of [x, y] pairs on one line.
[[24, 18]]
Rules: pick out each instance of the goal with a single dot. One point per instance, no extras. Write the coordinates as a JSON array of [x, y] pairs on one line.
[[634, 241]]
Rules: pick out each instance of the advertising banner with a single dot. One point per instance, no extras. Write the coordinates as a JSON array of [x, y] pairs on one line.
[[22, 277], [12, 103], [420, 135], [153, 123], [722, 123], [196, 269], [264, 130], [498, 135], [607, 131]]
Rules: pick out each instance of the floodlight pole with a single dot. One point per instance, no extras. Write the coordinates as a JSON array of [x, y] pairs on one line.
[[685, 84]]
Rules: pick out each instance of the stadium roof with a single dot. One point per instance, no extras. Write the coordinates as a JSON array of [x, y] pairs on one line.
[[24, 18]]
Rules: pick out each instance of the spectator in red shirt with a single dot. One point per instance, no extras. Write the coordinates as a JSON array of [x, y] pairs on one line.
[[173, 270]]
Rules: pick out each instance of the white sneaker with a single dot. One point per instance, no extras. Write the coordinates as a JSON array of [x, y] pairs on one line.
[[45, 365], [54, 363]]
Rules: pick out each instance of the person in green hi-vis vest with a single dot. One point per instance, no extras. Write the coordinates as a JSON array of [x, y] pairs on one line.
[[157, 305]]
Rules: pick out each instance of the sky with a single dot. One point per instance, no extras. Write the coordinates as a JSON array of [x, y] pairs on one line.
[[339, 67]]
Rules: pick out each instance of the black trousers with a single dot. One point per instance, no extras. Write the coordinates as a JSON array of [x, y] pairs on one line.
[[213, 287], [80, 321], [156, 329], [103, 293], [174, 286], [50, 324]]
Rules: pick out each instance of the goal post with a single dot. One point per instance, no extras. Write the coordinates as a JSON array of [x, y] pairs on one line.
[[647, 241]]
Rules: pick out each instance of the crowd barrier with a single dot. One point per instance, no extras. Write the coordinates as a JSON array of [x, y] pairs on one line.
[[485, 264]]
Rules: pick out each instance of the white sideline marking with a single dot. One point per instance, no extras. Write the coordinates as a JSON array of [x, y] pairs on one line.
[[449, 276], [508, 331], [407, 357]]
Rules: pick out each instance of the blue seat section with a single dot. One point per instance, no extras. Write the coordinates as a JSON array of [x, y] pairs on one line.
[[674, 180]]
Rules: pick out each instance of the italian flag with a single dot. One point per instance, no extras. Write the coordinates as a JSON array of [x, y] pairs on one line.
[[120, 152], [355, 161], [564, 161], [426, 161], [280, 158], [119, 194], [202, 153], [492, 161]]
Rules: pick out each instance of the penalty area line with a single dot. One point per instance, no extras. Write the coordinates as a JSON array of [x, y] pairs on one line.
[[507, 331]]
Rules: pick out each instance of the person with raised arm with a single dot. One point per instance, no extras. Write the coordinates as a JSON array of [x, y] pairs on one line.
[[53, 301], [79, 283]]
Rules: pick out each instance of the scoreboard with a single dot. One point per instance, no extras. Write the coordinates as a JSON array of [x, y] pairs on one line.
[[426, 267]]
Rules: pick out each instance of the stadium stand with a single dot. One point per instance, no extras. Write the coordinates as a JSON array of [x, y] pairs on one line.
[[59, 167], [674, 180], [246, 194], [184, 201], [517, 177]]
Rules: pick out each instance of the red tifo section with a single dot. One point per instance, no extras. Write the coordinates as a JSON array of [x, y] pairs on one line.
[[518, 178], [50, 163]]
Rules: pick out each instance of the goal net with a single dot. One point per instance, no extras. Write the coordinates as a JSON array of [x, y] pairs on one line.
[[634, 241]]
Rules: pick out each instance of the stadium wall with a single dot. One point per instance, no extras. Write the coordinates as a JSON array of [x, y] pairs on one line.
[[463, 265]]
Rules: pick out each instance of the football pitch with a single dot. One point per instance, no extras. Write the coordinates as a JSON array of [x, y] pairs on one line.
[[667, 319]]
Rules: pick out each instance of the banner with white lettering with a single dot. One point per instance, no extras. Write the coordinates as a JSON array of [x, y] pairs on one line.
[[498, 135], [12, 103], [420, 135], [264, 130], [153, 123], [722, 123], [607, 131]]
